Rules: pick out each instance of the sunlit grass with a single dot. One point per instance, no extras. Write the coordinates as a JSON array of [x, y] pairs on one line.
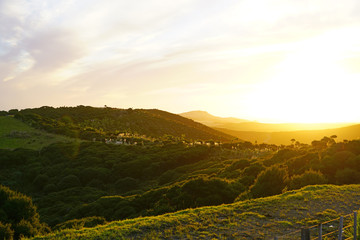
[[256, 218], [16, 134]]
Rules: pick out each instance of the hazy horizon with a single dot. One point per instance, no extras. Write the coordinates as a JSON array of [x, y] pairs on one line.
[[265, 61]]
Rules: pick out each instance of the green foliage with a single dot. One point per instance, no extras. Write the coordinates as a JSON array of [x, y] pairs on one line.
[[309, 177], [262, 218], [67, 178], [6, 233], [40, 182], [189, 194], [88, 123], [19, 216], [269, 182], [69, 181], [126, 184], [347, 176], [13, 111]]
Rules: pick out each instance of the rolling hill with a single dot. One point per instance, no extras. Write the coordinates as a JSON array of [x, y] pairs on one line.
[[262, 218], [344, 133], [210, 120], [149, 122], [246, 125], [280, 133]]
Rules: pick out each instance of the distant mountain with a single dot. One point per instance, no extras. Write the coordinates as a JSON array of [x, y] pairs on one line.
[[306, 136], [149, 122], [246, 125], [210, 120]]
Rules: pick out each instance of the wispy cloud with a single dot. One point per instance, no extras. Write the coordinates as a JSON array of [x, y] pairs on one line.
[[112, 50]]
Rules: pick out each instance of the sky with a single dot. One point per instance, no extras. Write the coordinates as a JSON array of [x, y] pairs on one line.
[[270, 61]]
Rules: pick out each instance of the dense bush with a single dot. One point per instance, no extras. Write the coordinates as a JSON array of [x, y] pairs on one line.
[[19, 216], [269, 182], [69, 181], [310, 177], [6, 233], [75, 180], [347, 176]]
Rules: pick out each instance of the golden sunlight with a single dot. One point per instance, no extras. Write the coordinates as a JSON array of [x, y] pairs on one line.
[[309, 86]]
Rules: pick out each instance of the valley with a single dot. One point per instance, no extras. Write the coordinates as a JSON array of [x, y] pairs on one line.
[[279, 133], [170, 185]]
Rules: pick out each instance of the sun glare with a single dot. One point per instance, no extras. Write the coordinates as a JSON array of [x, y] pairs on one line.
[[309, 86]]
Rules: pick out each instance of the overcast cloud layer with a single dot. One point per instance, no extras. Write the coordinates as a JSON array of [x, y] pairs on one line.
[[172, 55]]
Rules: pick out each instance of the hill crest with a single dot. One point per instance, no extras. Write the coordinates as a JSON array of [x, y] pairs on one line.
[[149, 122]]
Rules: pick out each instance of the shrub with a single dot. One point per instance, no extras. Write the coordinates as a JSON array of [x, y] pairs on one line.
[[24, 228], [69, 181], [347, 176], [239, 164], [126, 184], [40, 181], [6, 232], [19, 216], [310, 177], [269, 182], [50, 188]]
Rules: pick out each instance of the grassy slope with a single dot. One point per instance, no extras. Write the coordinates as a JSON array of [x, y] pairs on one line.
[[350, 132], [261, 218], [16, 134]]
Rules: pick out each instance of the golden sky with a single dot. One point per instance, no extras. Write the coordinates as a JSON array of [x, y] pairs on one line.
[[270, 61]]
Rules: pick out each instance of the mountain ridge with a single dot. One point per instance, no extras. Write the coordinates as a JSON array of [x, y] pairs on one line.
[[303, 136], [247, 125]]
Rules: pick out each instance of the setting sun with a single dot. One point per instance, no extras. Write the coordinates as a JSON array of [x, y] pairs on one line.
[[309, 86]]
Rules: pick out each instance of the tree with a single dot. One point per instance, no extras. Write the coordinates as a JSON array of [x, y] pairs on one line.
[[333, 137], [13, 111]]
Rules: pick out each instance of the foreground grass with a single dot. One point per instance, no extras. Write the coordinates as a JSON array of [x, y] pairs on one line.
[[261, 218], [16, 134]]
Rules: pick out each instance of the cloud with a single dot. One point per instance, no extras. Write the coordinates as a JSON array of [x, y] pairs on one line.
[[108, 50]]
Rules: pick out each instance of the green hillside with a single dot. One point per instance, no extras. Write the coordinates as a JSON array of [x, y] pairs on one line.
[[89, 122], [87, 183], [16, 134], [261, 218]]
